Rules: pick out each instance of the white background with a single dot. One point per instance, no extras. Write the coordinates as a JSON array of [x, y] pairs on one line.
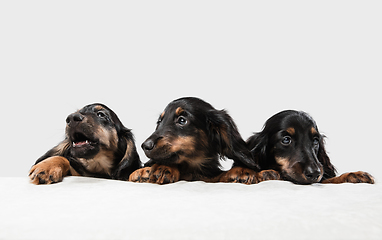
[[251, 58]]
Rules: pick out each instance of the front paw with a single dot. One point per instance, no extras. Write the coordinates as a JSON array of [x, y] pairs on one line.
[[239, 175], [140, 175], [162, 174], [51, 170], [266, 175], [352, 177]]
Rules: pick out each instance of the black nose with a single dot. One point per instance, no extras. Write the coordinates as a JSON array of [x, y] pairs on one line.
[[148, 145], [73, 119], [312, 174]]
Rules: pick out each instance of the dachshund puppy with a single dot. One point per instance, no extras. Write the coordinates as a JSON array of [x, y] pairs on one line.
[[96, 145], [291, 144], [189, 139]]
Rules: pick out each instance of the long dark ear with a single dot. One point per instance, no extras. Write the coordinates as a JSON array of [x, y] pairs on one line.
[[130, 158], [62, 149], [329, 169], [257, 145], [227, 139]]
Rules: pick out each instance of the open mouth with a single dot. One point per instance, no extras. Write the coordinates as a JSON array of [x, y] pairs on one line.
[[79, 140]]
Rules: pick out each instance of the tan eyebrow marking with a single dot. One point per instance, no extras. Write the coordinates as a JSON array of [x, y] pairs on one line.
[[314, 131], [291, 131], [179, 111], [161, 116], [98, 108]]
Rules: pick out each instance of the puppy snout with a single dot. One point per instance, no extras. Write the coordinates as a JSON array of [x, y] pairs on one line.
[[148, 145], [73, 119], [312, 174]]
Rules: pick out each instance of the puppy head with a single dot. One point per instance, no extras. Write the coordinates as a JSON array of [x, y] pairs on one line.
[[291, 143], [92, 129], [97, 144], [192, 131]]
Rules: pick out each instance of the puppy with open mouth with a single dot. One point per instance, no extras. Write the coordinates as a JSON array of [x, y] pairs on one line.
[[96, 145]]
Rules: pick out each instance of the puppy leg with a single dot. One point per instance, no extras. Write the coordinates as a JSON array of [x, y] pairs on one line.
[[51, 170], [140, 175], [239, 175], [162, 174], [352, 177]]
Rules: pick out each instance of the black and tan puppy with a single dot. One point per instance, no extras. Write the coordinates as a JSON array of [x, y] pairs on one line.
[[96, 145], [190, 138], [291, 144]]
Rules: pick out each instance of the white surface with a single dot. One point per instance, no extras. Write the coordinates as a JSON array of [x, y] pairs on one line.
[[89, 208]]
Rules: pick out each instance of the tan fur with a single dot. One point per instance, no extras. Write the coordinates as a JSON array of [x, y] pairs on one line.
[[107, 137], [239, 175], [159, 174], [162, 174], [98, 108], [291, 131], [51, 170], [101, 163], [96, 133], [179, 111], [293, 169], [288, 168], [266, 175], [283, 162], [247, 176], [352, 177], [196, 162], [313, 131], [186, 144], [140, 175]]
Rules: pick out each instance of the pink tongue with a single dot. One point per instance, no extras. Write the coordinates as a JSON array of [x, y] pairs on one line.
[[80, 143]]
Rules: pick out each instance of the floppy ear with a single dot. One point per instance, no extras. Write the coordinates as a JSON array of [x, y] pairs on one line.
[[257, 145], [130, 158], [329, 169], [227, 140]]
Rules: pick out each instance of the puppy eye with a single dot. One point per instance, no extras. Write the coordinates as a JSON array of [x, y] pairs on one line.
[[286, 140], [103, 116], [316, 142], [182, 121]]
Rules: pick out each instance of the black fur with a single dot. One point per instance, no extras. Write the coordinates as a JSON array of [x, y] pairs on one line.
[[192, 136], [89, 124], [301, 151]]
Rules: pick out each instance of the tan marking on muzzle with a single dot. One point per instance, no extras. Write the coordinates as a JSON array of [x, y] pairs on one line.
[[185, 144]]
